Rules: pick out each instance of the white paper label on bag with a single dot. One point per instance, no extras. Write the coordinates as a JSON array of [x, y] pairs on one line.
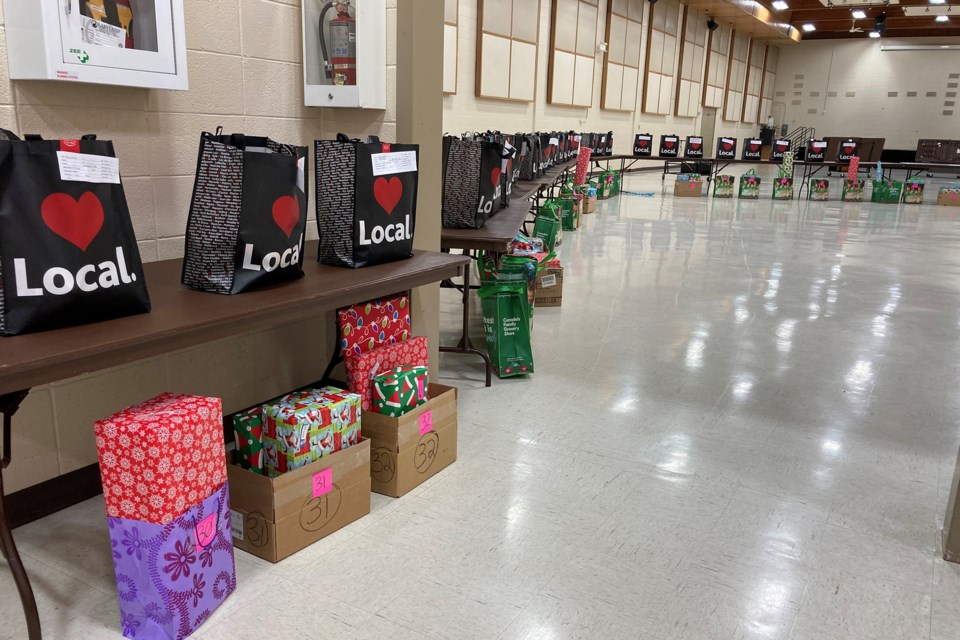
[[85, 167], [554, 142], [300, 174], [549, 281], [236, 524], [507, 146], [576, 138], [388, 163]]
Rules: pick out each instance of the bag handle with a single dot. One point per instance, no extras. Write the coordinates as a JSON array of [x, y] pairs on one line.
[[6, 134]]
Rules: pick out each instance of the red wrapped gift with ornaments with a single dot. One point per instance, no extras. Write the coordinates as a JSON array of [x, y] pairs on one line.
[[583, 166], [362, 367], [366, 326], [160, 458]]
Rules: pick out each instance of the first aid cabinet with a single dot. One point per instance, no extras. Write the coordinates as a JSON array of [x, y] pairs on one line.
[[131, 43]]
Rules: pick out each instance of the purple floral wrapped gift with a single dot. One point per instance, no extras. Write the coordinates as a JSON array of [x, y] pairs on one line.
[[171, 577]]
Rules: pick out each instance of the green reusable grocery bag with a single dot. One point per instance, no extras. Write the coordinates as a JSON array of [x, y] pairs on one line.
[[783, 188], [605, 190], [913, 192], [818, 190], [886, 191], [615, 189], [852, 190], [510, 269], [568, 212], [723, 186], [506, 324], [750, 185], [547, 225]]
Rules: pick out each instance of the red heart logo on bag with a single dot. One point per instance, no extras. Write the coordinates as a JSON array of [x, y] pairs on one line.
[[644, 143], [754, 147], [76, 221], [495, 177], [668, 144], [782, 147], [389, 192], [727, 146], [286, 213], [694, 145]]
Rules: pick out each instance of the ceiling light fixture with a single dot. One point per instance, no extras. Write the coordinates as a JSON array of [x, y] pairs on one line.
[[780, 5], [808, 27], [938, 1], [874, 34], [942, 19], [859, 15]]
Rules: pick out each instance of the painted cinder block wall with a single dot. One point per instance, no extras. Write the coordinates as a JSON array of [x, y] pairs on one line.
[[245, 75], [853, 88], [463, 111]]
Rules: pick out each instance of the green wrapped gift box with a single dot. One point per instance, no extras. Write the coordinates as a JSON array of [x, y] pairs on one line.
[[248, 434], [400, 390]]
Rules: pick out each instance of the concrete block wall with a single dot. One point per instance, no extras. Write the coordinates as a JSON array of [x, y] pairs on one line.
[[245, 75], [463, 111], [853, 88]]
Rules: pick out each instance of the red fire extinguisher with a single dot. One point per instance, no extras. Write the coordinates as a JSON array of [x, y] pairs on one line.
[[340, 61]]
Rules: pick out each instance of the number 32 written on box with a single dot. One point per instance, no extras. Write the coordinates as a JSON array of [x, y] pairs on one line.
[[322, 482]]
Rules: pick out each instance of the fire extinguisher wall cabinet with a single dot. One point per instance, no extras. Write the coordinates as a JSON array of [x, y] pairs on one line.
[[345, 53], [130, 43]]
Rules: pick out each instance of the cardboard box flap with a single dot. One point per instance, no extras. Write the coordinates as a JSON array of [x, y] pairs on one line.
[[387, 433]]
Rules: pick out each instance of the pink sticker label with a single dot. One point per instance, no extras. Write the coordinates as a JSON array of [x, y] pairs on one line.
[[322, 482], [426, 422], [206, 531]]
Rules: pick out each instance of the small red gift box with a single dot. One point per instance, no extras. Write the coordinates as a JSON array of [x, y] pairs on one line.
[[366, 326], [363, 366], [160, 458]]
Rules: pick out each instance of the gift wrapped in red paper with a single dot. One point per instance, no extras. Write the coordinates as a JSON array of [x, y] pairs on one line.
[[361, 368], [160, 458], [366, 326]]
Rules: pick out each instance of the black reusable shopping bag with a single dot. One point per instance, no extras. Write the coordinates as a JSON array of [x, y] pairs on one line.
[[69, 253], [532, 166], [248, 214], [471, 181], [643, 145], [366, 200]]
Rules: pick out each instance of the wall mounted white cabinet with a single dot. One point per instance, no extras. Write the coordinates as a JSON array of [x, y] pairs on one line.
[[132, 43], [345, 53]]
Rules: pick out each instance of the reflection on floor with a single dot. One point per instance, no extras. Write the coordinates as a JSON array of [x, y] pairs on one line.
[[743, 424]]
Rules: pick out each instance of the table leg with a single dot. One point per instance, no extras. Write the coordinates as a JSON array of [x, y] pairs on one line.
[[9, 403], [466, 345]]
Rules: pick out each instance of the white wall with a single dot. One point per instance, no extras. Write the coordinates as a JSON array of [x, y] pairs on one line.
[[465, 112], [816, 80]]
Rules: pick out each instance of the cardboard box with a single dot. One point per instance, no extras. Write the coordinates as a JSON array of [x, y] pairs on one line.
[[590, 204], [949, 197], [273, 518], [411, 449], [688, 188], [549, 288]]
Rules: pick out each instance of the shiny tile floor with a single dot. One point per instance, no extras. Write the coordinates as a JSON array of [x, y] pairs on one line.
[[743, 425]]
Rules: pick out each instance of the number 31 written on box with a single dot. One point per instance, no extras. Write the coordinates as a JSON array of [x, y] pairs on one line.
[[426, 422], [322, 482]]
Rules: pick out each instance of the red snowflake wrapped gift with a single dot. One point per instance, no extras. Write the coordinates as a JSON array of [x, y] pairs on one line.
[[160, 458]]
